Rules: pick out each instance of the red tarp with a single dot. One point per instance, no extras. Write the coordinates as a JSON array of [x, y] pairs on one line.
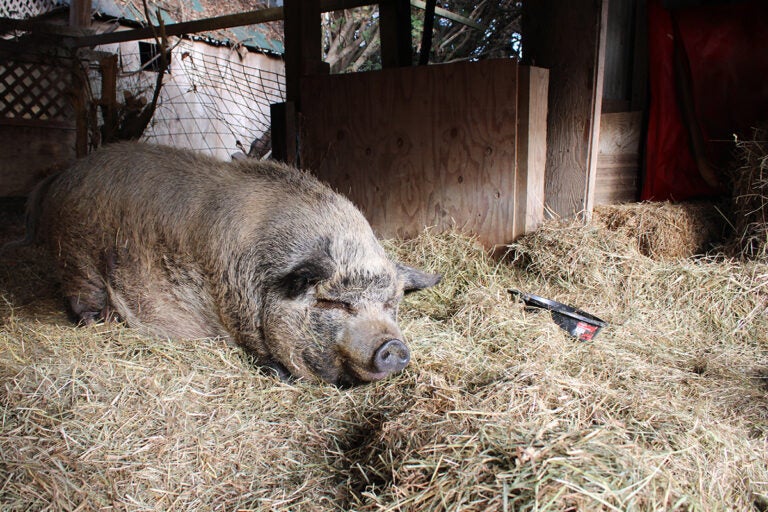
[[727, 50]]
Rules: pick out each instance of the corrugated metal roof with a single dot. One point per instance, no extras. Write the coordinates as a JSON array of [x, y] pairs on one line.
[[252, 36]]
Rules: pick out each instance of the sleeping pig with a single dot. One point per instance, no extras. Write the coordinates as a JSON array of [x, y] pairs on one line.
[[180, 245]]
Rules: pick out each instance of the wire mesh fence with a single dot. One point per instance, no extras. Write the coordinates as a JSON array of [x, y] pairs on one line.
[[215, 99]]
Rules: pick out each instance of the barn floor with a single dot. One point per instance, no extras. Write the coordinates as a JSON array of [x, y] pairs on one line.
[[667, 409]]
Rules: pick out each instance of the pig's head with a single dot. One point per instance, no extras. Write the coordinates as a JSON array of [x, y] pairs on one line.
[[333, 314]]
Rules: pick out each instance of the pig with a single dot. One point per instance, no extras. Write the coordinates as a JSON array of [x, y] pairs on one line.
[[180, 245]]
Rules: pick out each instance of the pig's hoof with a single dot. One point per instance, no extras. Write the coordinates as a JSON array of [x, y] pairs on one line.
[[109, 315], [86, 318], [278, 370]]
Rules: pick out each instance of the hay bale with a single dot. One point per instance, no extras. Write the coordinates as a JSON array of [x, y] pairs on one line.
[[750, 198], [665, 230], [499, 409]]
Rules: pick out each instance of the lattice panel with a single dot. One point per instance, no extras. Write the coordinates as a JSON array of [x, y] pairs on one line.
[[20, 9], [34, 91]]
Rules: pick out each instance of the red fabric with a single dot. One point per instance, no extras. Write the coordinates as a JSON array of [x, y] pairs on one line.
[[727, 49]]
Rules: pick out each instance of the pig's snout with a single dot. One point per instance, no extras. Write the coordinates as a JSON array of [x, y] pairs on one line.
[[392, 356]]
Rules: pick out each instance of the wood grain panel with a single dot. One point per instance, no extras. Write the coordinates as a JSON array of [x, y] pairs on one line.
[[532, 148], [416, 147], [568, 39], [618, 161], [30, 153]]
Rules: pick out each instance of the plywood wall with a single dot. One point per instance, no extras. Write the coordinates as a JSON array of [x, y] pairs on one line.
[[429, 146]]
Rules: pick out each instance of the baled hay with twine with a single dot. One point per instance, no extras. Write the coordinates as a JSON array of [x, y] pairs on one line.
[[499, 410]]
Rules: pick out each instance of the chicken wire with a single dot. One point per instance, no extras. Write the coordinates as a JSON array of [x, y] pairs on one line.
[[214, 99]]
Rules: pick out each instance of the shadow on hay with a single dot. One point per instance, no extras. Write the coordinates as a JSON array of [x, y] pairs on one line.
[[364, 457]]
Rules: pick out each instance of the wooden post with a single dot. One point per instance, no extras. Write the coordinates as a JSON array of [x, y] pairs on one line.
[[108, 67], [303, 57], [80, 13], [597, 109], [303, 51], [80, 104], [284, 132], [568, 39], [533, 83], [395, 33], [426, 36]]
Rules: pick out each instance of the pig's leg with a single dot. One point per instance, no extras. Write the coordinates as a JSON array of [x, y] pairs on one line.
[[87, 299], [85, 289], [277, 369]]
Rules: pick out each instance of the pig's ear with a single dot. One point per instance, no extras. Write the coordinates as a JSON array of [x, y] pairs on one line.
[[415, 279], [305, 275]]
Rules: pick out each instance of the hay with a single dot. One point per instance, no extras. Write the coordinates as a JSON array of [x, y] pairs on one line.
[[666, 410], [750, 198], [664, 230]]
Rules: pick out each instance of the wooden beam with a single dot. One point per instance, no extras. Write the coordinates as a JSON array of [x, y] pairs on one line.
[[80, 13], [395, 33], [186, 27], [204, 25], [41, 26]]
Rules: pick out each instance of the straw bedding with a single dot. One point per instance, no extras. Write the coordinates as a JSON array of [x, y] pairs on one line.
[[499, 410]]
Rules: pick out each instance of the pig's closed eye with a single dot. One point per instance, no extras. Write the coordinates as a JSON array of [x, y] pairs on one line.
[[334, 304]]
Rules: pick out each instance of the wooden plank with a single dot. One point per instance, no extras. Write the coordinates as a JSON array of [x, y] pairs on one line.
[[531, 149], [177, 29], [565, 38], [618, 163], [30, 153], [37, 123], [395, 33], [616, 189], [108, 101], [597, 108], [620, 134], [421, 146]]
